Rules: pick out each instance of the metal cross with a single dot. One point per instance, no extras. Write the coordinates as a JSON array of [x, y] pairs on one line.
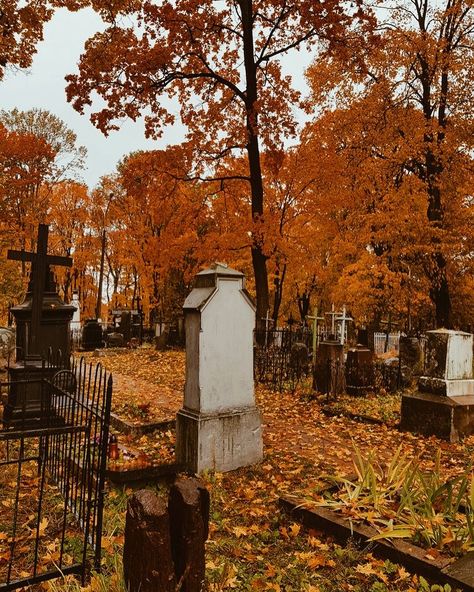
[[333, 315], [343, 319], [40, 262]]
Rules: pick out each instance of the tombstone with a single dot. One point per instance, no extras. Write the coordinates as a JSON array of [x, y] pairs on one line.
[[42, 325], [219, 426], [411, 356], [328, 375], [115, 340], [359, 371], [126, 325], [444, 403], [363, 337], [7, 346], [76, 317], [299, 359], [92, 335]]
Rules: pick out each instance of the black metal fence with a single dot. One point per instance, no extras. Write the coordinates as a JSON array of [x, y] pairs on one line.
[[282, 356], [52, 480]]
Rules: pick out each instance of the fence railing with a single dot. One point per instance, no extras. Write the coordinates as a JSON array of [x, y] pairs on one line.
[[60, 463], [384, 343]]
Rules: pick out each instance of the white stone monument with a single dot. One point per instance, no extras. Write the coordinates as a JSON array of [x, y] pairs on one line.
[[444, 403], [448, 364], [76, 317], [219, 426]]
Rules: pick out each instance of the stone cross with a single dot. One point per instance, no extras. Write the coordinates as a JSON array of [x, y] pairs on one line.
[[39, 269]]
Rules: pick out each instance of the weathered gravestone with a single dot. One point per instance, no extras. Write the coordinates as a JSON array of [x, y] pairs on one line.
[[328, 373], [76, 317], [7, 346], [42, 320], [444, 403], [219, 426], [42, 324], [359, 371]]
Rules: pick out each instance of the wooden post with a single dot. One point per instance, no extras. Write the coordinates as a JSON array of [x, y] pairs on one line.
[[164, 548], [315, 320], [147, 561], [189, 518]]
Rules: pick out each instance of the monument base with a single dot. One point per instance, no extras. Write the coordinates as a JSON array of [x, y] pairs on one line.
[[27, 402], [448, 388], [220, 441], [449, 418]]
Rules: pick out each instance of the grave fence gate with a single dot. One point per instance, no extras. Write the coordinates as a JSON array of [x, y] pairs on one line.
[[52, 477]]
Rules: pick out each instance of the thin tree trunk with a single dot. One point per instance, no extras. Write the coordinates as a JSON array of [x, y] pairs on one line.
[[259, 259]]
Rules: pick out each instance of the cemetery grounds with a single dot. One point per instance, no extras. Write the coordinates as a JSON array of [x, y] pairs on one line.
[[253, 544]]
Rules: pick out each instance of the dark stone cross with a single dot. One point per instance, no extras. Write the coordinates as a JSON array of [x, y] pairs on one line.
[[39, 272]]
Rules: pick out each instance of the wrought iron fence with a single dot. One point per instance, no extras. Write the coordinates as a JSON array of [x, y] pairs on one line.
[[62, 460], [281, 356]]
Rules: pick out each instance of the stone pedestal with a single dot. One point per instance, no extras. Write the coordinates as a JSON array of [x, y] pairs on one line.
[[27, 404], [54, 328], [444, 403], [328, 374], [219, 426]]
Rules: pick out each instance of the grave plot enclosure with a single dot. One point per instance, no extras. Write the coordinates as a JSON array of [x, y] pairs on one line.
[[52, 481]]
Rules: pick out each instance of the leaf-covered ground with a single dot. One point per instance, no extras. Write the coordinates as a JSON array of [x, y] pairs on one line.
[[252, 545]]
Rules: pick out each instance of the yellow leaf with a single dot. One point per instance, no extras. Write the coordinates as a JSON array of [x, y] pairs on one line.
[[294, 530], [240, 531], [366, 569]]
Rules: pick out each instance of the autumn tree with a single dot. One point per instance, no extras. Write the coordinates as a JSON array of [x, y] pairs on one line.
[[223, 62], [21, 28], [158, 234], [68, 156], [416, 78], [25, 163]]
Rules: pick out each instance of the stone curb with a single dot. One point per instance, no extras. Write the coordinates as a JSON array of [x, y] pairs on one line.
[[146, 474], [127, 427], [459, 574]]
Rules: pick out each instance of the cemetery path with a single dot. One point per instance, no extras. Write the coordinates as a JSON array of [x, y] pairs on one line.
[[148, 384], [301, 442]]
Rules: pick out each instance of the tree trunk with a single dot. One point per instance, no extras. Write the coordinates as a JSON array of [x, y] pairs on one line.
[[259, 259], [279, 282], [439, 291]]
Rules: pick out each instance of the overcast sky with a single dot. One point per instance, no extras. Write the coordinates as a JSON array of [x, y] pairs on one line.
[[43, 87]]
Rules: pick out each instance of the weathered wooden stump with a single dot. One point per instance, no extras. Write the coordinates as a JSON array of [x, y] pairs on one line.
[[189, 520], [147, 560], [164, 547]]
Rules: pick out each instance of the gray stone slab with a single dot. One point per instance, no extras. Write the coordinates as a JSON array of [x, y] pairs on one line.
[[463, 570]]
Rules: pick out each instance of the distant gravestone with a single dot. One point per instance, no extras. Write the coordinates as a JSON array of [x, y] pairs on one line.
[[444, 403], [219, 426], [328, 373], [7, 345], [359, 371], [76, 317], [126, 325]]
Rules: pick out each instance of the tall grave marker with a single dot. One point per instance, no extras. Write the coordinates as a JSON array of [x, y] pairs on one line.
[[219, 426], [35, 332], [42, 322]]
